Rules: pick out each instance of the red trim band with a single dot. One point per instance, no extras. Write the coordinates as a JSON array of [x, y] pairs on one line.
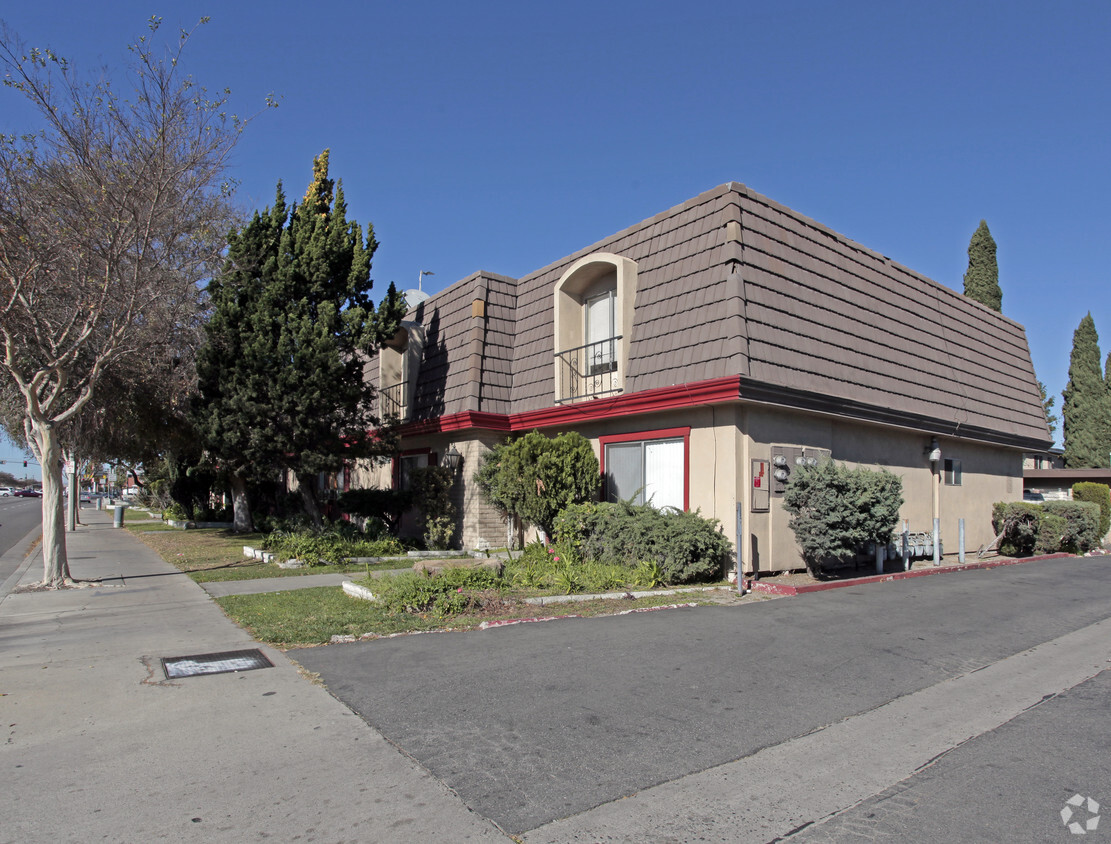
[[647, 401]]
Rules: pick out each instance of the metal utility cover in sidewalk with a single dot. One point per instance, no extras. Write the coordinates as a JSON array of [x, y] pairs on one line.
[[221, 663]]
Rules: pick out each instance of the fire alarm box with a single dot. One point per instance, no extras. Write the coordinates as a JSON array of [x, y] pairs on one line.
[[761, 485]]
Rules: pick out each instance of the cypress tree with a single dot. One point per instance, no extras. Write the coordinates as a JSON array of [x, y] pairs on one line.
[[281, 376], [1047, 406], [981, 279], [1087, 402]]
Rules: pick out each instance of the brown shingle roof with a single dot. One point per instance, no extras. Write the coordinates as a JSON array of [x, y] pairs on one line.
[[803, 314]]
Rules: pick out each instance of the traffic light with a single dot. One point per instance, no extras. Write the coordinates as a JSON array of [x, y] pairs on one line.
[[24, 464]]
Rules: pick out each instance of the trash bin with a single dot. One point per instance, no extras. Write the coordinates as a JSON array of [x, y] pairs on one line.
[[118, 520]]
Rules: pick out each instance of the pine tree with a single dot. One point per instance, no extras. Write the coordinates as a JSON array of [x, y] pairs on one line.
[[281, 377], [1087, 402], [981, 279]]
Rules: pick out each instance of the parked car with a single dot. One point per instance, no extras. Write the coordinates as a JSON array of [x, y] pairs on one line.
[[6, 490], [27, 493]]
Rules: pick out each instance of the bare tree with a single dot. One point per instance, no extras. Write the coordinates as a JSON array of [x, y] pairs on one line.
[[109, 218]]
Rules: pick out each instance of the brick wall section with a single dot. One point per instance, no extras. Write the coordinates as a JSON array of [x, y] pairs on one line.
[[483, 526]]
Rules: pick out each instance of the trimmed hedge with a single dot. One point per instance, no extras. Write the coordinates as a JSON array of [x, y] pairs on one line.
[[1081, 532], [1096, 494], [1022, 531], [685, 546], [1070, 526]]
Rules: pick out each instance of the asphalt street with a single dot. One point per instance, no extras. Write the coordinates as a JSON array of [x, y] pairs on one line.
[[541, 727], [18, 516]]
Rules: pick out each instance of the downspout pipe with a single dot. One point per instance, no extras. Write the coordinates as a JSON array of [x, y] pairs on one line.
[[935, 468]]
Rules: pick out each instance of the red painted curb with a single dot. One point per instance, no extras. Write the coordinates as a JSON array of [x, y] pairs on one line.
[[786, 590]]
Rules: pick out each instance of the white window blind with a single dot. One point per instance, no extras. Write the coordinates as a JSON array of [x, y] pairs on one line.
[[648, 470], [663, 473]]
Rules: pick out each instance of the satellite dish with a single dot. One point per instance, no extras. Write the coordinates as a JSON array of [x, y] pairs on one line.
[[414, 297]]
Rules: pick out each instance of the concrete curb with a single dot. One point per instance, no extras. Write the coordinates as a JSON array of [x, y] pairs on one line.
[[607, 596], [786, 590], [357, 591], [22, 550]]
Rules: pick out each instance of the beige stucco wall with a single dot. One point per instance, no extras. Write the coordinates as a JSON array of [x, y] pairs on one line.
[[989, 474], [724, 439], [367, 474], [714, 443]]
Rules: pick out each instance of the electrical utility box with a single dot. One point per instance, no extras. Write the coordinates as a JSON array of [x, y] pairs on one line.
[[761, 490], [788, 459]]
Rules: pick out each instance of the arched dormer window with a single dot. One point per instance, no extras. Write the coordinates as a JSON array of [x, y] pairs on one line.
[[398, 365], [593, 326]]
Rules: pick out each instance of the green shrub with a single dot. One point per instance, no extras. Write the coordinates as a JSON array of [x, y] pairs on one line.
[[203, 513], [835, 511], [1019, 522], [535, 477], [1047, 528], [1052, 530], [175, 511], [1096, 494], [1081, 524], [685, 547], [386, 505], [332, 545], [431, 487], [541, 566], [441, 594]]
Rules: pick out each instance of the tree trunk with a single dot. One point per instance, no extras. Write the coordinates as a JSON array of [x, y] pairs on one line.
[[44, 442], [242, 522], [308, 498]]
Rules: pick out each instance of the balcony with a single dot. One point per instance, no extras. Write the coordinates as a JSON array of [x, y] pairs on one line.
[[588, 372], [392, 404]]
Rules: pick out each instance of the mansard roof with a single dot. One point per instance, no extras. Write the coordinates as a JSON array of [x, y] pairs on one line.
[[729, 284]]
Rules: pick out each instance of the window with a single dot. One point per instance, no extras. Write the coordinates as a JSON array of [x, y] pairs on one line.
[[952, 472], [647, 468], [406, 463], [593, 315], [601, 349]]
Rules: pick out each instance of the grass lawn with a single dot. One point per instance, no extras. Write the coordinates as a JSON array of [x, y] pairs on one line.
[[312, 616], [210, 554]]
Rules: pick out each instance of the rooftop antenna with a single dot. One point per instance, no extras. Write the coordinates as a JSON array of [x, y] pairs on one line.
[[420, 279]]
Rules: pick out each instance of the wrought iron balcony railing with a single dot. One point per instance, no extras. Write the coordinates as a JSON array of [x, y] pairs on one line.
[[391, 403], [588, 371]]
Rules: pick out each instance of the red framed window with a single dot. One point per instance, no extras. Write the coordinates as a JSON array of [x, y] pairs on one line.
[[650, 467], [407, 461]]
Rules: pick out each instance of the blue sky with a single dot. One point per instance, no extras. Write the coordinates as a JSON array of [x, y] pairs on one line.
[[502, 136]]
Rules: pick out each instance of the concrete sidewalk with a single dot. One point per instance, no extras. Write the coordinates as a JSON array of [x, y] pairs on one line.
[[98, 744]]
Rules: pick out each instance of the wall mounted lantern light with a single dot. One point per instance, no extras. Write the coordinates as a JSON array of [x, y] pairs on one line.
[[453, 459]]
